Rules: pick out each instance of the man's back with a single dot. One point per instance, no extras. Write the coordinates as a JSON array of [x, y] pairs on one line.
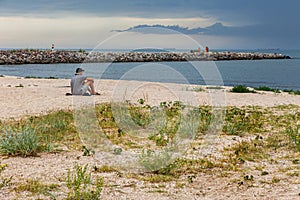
[[76, 84]]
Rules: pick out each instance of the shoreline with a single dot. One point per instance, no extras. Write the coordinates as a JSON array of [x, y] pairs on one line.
[[22, 97], [35, 56]]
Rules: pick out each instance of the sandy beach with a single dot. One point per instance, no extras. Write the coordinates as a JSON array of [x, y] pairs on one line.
[[21, 96]]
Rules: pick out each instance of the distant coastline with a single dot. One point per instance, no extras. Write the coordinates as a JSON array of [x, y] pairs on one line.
[[35, 56]]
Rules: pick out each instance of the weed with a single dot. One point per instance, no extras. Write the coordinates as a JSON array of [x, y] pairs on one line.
[[157, 178], [87, 151], [239, 121], [104, 169], [295, 92], [36, 187], [19, 86], [167, 133], [248, 151], [190, 178], [153, 161], [32, 77], [4, 181], [296, 161], [197, 89], [275, 179], [249, 178], [215, 88], [205, 118], [24, 142], [140, 114], [293, 133], [187, 166], [263, 173], [266, 88], [81, 186], [241, 89]]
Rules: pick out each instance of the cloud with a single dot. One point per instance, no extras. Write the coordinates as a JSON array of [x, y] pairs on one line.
[[260, 34], [215, 29], [270, 20]]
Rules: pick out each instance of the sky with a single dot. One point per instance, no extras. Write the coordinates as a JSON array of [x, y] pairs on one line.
[[183, 24]]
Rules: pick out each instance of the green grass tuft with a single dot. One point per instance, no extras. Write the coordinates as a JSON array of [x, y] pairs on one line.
[[24, 142]]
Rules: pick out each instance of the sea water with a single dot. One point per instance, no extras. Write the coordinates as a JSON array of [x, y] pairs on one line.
[[280, 74]]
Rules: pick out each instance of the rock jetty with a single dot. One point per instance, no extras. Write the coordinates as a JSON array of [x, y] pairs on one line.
[[14, 57]]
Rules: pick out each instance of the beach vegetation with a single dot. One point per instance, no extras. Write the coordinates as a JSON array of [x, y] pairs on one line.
[[268, 89], [254, 135], [36, 187], [34, 134], [215, 88], [81, 185], [239, 121], [23, 142], [105, 169], [4, 181], [241, 89], [294, 134], [295, 92], [38, 77], [140, 114], [19, 86], [197, 89]]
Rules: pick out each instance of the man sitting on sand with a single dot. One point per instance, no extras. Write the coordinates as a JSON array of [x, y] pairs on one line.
[[81, 85]]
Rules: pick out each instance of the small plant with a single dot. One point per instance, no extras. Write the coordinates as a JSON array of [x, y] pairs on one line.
[[140, 115], [51, 77], [241, 89], [104, 169], [87, 151], [247, 151], [205, 118], [190, 178], [19, 86], [4, 181], [293, 133], [32, 77], [81, 186], [215, 88], [295, 92], [118, 151], [35, 188], [167, 133], [152, 161], [263, 173], [197, 89], [268, 89], [275, 179], [248, 178], [23, 143]]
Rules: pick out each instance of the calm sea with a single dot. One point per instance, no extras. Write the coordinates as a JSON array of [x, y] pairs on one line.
[[281, 74]]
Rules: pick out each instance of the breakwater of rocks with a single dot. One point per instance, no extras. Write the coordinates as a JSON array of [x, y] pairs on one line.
[[13, 57]]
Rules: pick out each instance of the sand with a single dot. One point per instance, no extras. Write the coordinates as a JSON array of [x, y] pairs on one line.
[[22, 97]]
